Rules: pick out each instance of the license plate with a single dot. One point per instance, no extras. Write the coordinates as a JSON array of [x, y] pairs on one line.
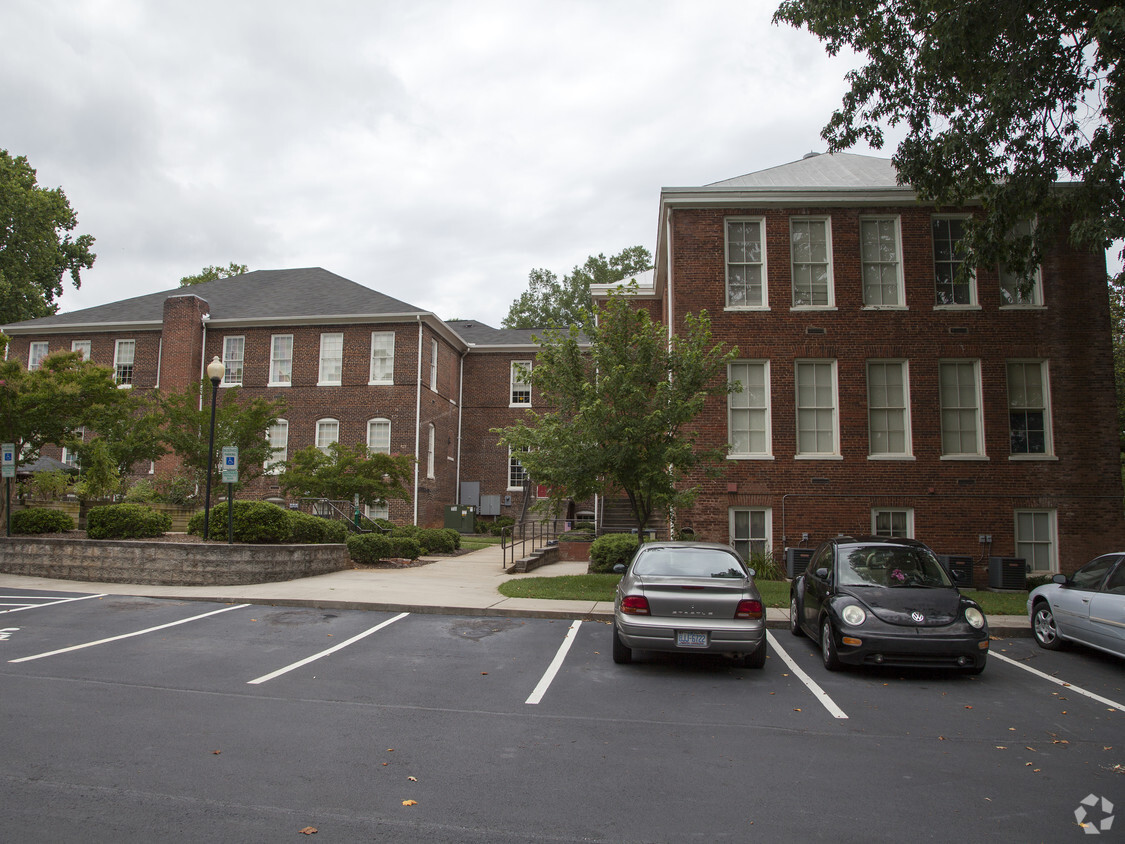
[[690, 639]]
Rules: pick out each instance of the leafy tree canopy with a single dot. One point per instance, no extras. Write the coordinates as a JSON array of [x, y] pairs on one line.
[[622, 408], [211, 273], [36, 248], [341, 473], [1000, 99], [551, 303]]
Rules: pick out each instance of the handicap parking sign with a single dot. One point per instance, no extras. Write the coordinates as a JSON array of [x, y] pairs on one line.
[[230, 464], [8, 452]]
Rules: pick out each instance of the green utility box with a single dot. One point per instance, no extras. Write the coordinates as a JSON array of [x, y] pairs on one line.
[[462, 518]]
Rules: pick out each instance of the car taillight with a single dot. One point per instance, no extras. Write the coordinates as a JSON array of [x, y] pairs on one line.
[[748, 609], [634, 605]]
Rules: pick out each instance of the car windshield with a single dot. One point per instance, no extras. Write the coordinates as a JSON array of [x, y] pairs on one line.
[[689, 562], [880, 565]]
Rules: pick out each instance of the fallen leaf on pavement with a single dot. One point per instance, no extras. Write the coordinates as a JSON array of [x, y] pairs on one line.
[[308, 830], [409, 802]]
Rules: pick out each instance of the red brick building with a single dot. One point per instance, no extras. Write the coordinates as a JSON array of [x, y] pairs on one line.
[[880, 392]]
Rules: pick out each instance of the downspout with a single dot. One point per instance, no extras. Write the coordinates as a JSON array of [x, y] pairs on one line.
[[460, 414], [159, 357], [202, 361], [671, 311], [417, 419]]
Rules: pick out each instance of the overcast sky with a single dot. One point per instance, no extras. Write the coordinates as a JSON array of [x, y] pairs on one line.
[[433, 150]]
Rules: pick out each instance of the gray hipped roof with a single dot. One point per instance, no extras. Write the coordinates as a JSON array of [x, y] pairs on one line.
[[476, 333], [829, 170]]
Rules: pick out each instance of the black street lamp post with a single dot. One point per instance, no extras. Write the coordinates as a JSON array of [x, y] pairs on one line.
[[215, 371]]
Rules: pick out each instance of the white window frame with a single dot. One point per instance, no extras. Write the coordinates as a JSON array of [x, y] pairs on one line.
[[866, 260], [803, 410], [382, 357], [281, 361], [519, 385], [1044, 377], [513, 462], [907, 514], [69, 457], [1051, 541], [431, 445], [82, 347], [124, 366], [1010, 295], [234, 355], [324, 433], [764, 542], [740, 404], [331, 371], [374, 444], [277, 435], [978, 412], [433, 365], [36, 351], [972, 282], [904, 412], [379, 510], [830, 292], [760, 265]]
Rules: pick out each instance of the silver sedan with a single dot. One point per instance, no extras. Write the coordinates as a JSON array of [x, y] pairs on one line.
[[689, 597], [1087, 607]]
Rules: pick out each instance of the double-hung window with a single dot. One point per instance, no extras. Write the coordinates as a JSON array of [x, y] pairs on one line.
[[1036, 532], [379, 436], [382, 357], [893, 522], [1017, 290], [746, 263], [82, 347], [234, 350], [278, 437], [962, 425], [123, 354], [431, 445], [281, 360], [35, 353], [331, 360], [954, 284], [817, 409], [748, 411], [750, 531], [433, 364], [520, 382], [888, 409], [811, 249], [881, 262], [327, 432], [517, 475], [1029, 408]]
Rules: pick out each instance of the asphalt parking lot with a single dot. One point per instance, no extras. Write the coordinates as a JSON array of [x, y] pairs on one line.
[[135, 719]]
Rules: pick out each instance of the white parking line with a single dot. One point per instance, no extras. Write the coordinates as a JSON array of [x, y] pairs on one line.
[[20, 608], [127, 635], [266, 677], [1119, 707], [556, 664], [817, 691]]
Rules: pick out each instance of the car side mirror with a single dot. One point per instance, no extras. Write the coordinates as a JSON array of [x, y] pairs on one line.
[[619, 568], [752, 572], [1060, 579], [822, 573]]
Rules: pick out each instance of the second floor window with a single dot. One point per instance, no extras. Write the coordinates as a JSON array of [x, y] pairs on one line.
[[281, 360], [816, 408], [379, 436], [331, 359], [520, 381], [888, 416], [278, 437], [433, 364], [748, 411], [123, 353], [234, 349], [812, 263], [961, 421], [382, 357], [950, 286], [881, 263], [1029, 418], [746, 264], [1017, 290], [327, 432]]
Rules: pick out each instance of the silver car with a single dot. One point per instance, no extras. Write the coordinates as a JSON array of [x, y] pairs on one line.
[[689, 597], [1087, 607]]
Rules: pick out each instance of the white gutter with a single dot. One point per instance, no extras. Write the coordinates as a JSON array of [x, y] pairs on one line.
[[417, 419]]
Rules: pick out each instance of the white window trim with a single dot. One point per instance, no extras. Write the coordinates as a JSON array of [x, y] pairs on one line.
[[378, 511], [817, 455], [1052, 525], [132, 364], [321, 380], [765, 306], [32, 363], [228, 380], [768, 511], [316, 433], [372, 380], [518, 487], [974, 301], [751, 455], [433, 365], [831, 304], [273, 358], [512, 382], [908, 442], [982, 454], [897, 220], [909, 511], [83, 347], [431, 444], [273, 462], [1048, 424], [372, 448]]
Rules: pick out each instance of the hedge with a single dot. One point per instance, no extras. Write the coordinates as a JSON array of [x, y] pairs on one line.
[[609, 550], [35, 520], [126, 521]]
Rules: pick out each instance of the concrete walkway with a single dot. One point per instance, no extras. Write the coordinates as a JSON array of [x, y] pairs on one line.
[[464, 585]]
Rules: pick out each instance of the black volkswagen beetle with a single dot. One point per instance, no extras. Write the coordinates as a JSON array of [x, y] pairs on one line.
[[880, 601]]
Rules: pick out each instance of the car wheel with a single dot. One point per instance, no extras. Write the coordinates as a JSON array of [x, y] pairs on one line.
[[756, 659], [828, 647], [621, 654], [794, 619], [1044, 628]]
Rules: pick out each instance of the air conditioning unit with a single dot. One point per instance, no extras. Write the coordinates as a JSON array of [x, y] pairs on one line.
[[1007, 573], [960, 566], [796, 560]]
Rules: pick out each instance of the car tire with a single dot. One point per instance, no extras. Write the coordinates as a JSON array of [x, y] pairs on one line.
[[794, 618], [621, 654], [1043, 627], [756, 659], [828, 651]]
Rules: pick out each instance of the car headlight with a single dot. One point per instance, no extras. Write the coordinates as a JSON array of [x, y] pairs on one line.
[[853, 615], [975, 617]]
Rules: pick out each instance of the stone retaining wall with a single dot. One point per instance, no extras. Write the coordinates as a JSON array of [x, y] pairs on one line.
[[167, 563]]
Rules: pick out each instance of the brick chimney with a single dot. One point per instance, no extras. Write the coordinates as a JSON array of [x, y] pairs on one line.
[[182, 341]]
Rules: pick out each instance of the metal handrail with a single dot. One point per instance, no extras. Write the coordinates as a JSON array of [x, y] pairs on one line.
[[344, 511], [538, 534]]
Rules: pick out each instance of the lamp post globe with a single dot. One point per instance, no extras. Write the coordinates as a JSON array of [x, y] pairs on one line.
[[215, 372]]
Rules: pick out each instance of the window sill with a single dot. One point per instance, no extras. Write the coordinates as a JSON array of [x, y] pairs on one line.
[[970, 307], [380, 383], [279, 384], [525, 404], [1032, 458], [981, 458], [818, 457], [891, 457], [328, 383], [124, 386], [1023, 307], [750, 457], [746, 308], [814, 308], [231, 384], [885, 308]]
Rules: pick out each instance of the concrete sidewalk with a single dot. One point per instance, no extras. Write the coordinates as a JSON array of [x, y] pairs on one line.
[[464, 585]]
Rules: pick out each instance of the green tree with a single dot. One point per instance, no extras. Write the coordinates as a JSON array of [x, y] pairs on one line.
[[340, 473], [186, 425], [1000, 100], [622, 408], [550, 303], [211, 273], [35, 245], [100, 478]]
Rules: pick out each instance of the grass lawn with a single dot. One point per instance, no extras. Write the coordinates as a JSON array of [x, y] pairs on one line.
[[475, 542], [775, 593]]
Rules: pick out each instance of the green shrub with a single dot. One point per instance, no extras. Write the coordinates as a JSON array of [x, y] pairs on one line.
[[36, 520], [260, 522], [611, 549], [1033, 581], [142, 492], [126, 521], [766, 566], [178, 491], [406, 547], [307, 528], [335, 531], [584, 526], [370, 548], [50, 486], [436, 541], [454, 537], [404, 530]]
